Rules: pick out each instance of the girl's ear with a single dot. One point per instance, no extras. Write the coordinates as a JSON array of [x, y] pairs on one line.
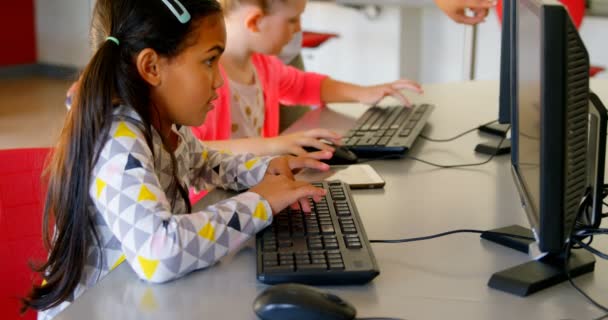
[[148, 65], [253, 19]]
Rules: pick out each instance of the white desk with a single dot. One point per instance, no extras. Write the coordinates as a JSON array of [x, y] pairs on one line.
[[437, 279]]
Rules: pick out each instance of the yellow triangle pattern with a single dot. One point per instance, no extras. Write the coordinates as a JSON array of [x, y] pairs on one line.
[[149, 266], [260, 212], [249, 164], [207, 232], [228, 152], [43, 283], [100, 186], [124, 131], [118, 262], [205, 155], [148, 301], [145, 194]]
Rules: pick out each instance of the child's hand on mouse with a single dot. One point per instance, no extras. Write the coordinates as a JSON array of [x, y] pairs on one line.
[[373, 94], [294, 143]]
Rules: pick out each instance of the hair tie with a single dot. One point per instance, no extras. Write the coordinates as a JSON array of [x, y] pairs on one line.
[[113, 40]]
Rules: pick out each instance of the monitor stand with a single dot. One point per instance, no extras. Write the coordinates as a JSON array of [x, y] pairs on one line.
[[499, 130], [535, 275]]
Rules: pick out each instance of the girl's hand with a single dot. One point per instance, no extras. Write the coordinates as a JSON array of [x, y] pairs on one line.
[[287, 165], [373, 94], [294, 143], [281, 191]]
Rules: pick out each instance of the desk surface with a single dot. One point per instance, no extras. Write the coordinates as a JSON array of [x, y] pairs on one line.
[[438, 279]]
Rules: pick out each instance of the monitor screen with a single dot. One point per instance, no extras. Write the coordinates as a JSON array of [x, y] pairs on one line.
[[529, 100]]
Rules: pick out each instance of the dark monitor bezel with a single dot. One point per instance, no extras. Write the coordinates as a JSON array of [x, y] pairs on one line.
[[552, 224]]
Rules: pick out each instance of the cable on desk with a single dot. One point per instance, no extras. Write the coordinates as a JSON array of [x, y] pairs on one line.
[[576, 287], [451, 166], [438, 235], [458, 135]]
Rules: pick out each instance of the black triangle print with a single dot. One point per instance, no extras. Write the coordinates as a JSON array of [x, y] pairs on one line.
[[217, 169], [132, 163], [235, 223]]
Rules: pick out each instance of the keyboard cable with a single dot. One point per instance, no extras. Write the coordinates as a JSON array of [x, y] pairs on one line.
[[458, 135]]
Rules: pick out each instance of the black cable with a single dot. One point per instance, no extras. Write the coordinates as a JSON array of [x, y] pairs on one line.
[[442, 166], [456, 136], [590, 249], [438, 235], [567, 270]]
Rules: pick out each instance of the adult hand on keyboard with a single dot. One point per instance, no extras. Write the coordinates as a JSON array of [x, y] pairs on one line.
[[294, 143], [373, 94]]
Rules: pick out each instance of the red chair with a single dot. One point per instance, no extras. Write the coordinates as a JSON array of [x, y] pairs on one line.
[[576, 8], [21, 205], [315, 39]]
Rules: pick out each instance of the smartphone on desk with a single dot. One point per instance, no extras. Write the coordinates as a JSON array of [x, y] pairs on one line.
[[357, 176]]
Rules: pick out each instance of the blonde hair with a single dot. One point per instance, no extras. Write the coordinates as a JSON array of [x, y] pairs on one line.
[[265, 5]]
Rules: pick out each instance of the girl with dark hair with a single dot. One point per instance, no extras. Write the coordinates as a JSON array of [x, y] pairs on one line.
[[118, 178]]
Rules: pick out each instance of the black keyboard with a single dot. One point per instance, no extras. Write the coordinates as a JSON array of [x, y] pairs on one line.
[[323, 247], [387, 130]]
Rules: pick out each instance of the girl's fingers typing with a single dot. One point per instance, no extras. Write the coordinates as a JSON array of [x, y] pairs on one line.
[[320, 155], [304, 162]]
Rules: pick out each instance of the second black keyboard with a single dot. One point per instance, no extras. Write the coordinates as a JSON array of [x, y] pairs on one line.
[[387, 130]]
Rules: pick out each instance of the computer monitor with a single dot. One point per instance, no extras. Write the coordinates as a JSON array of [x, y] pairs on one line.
[[508, 90], [550, 136], [508, 66]]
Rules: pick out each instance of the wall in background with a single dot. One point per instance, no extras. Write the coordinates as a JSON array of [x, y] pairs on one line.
[[17, 33], [62, 28]]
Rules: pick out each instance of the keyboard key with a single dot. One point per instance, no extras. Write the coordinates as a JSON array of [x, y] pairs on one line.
[[391, 132], [270, 263], [285, 243], [332, 245], [405, 132], [349, 230], [327, 229], [278, 269], [336, 266], [383, 141], [380, 133], [270, 257], [354, 245], [313, 267]]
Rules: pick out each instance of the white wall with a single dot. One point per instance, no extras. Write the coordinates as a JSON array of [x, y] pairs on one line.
[[62, 28], [593, 30], [366, 51], [443, 48], [375, 51]]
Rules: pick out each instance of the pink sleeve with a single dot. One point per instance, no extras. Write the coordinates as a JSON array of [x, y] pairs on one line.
[[296, 86]]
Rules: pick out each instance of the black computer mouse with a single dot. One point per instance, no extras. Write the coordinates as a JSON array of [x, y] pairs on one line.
[[301, 302], [342, 155]]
